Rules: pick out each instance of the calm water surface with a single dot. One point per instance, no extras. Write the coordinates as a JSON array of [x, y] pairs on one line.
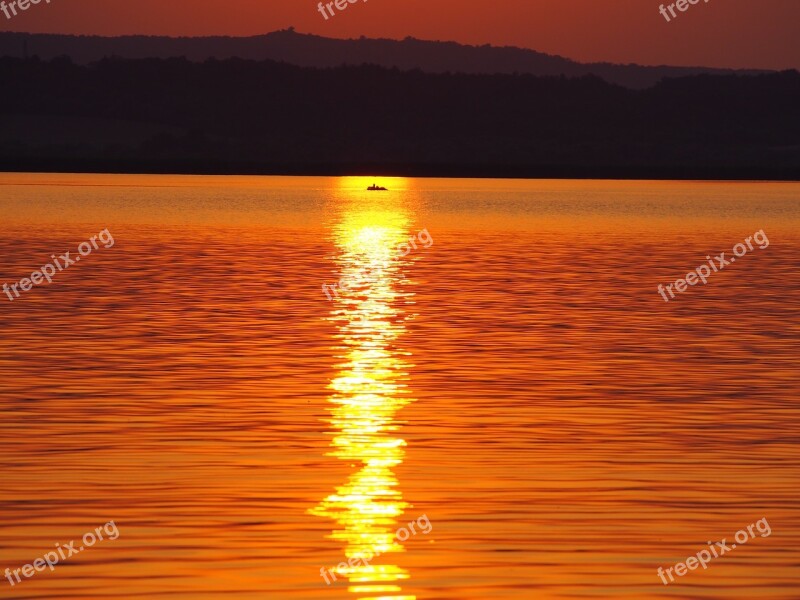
[[518, 382]]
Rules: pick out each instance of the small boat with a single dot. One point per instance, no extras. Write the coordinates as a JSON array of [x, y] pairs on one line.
[[376, 188]]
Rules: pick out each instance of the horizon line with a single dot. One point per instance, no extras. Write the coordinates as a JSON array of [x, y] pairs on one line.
[[293, 30]]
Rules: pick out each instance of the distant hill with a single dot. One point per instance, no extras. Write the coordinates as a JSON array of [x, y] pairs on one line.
[[245, 116], [316, 51]]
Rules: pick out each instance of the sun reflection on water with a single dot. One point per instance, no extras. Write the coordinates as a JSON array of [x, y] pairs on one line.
[[366, 394]]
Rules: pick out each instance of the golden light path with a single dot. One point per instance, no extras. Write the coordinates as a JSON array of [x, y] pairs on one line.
[[369, 390]]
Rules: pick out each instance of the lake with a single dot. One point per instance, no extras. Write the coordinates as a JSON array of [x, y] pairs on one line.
[[510, 385]]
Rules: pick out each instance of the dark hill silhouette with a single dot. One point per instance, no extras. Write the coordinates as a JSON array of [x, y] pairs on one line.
[[173, 115], [315, 51]]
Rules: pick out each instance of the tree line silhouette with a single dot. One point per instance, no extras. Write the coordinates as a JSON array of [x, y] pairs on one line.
[[234, 115]]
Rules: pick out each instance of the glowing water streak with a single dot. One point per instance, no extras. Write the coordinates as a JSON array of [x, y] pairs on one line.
[[366, 394]]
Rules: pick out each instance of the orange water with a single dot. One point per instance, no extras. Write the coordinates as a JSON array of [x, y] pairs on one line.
[[520, 383]]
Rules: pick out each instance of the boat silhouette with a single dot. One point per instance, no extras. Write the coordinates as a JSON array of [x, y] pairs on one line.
[[376, 188]]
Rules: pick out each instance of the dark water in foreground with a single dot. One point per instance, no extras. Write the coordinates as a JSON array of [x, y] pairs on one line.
[[519, 382]]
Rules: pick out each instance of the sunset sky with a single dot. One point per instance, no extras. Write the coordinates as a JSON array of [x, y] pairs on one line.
[[720, 33]]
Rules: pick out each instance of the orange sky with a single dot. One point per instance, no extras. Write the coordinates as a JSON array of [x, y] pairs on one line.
[[726, 33]]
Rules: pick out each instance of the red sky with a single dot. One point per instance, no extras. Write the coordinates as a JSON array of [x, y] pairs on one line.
[[719, 33]]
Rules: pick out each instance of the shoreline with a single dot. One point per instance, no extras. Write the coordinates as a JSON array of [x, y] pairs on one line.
[[207, 167]]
